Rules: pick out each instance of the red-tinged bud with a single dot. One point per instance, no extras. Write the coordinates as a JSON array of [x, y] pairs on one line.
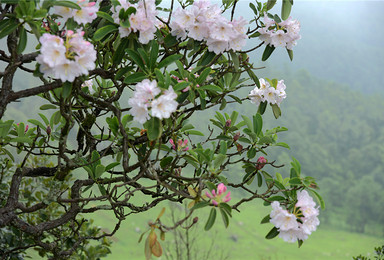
[[261, 162], [228, 123], [195, 219], [26, 128], [236, 136], [239, 147], [49, 130]]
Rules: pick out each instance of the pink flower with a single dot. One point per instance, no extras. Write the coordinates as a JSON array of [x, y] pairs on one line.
[[217, 197]]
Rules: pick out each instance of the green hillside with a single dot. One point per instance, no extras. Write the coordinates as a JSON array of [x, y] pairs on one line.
[[325, 243]]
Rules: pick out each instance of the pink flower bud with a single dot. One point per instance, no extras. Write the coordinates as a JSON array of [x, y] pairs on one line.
[[221, 188], [49, 130], [261, 162], [228, 123], [236, 136]]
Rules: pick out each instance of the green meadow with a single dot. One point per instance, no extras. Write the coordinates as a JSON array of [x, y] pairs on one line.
[[245, 228]]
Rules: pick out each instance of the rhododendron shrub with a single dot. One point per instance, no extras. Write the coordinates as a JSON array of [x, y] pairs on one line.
[[120, 85]]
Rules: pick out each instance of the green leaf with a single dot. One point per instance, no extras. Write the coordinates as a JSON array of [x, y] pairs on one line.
[[22, 139], [270, 4], [319, 199], [166, 161], [259, 180], [266, 219], [135, 77], [253, 7], [212, 88], [67, 89], [136, 58], [113, 124], [219, 160], [99, 170], [105, 16], [300, 243], [5, 127], [253, 76], [211, 219], [225, 217], [267, 52], [200, 204], [22, 41], [46, 121], [203, 75], [235, 59], [206, 59], [273, 233], [194, 132], [111, 166], [262, 107], [290, 54], [48, 106], [257, 124], [68, 4], [226, 208], [286, 9], [276, 110], [223, 147], [181, 85], [248, 122], [120, 51], [103, 31], [283, 145], [154, 127], [38, 123], [251, 153], [169, 60], [210, 186], [295, 181], [170, 41], [8, 29], [154, 54]]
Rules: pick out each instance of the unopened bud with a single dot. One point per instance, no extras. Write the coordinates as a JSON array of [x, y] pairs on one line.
[[261, 162], [195, 219], [236, 136], [228, 123], [49, 130], [239, 147]]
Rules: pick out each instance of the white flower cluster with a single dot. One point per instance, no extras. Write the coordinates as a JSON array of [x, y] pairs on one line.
[[67, 59], [283, 34], [204, 22], [144, 20], [146, 96], [268, 93], [85, 15], [299, 224]]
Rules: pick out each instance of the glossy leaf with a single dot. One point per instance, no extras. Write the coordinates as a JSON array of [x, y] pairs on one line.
[[103, 31], [267, 52], [272, 233], [211, 219], [154, 128], [286, 9]]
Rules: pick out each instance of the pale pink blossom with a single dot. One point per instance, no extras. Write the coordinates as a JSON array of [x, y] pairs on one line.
[[299, 224], [67, 59]]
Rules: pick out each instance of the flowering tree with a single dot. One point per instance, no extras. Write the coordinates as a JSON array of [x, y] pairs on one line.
[[120, 81]]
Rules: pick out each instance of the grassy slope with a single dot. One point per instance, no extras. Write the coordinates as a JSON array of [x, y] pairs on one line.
[[325, 243]]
